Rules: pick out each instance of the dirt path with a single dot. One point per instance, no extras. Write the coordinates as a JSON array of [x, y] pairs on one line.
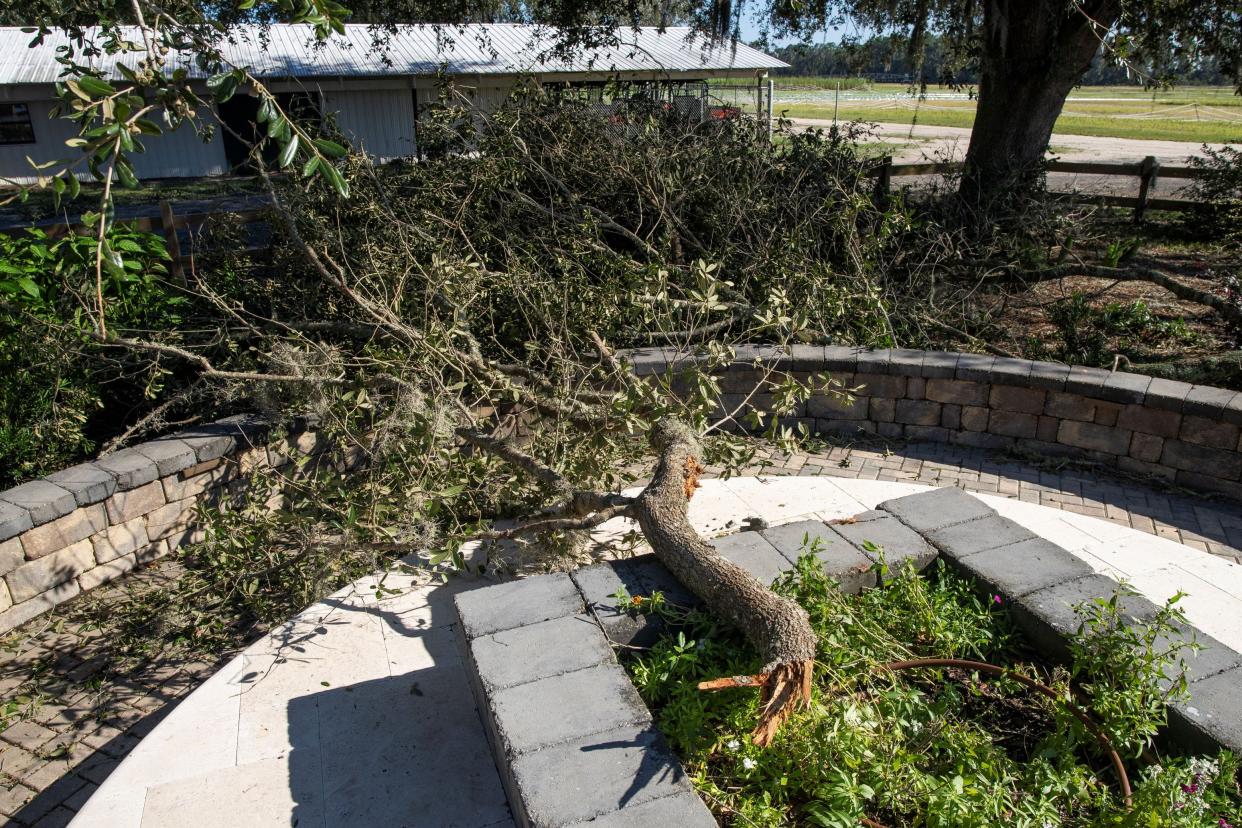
[[949, 143]]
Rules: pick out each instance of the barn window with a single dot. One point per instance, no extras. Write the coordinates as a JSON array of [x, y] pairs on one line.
[[15, 126]]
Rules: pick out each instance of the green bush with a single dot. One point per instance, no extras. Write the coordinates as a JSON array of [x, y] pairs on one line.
[[55, 398]]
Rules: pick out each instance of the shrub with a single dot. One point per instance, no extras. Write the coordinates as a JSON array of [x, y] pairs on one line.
[[55, 400]]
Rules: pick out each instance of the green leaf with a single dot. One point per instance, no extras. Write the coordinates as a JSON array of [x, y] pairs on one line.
[[336, 180], [126, 175], [289, 152], [223, 85], [148, 127], [27, 284], [95, 87], [75, 186], [330, 148], [310, 166]]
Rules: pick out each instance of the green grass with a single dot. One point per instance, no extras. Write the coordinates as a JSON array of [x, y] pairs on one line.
[[1208, 95], [826, 82], [1215, 132]]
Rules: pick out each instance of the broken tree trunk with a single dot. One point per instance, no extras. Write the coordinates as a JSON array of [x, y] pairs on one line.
[[776, 626]]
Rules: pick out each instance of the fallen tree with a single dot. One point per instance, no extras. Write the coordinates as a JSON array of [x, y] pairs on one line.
[[458, 429]]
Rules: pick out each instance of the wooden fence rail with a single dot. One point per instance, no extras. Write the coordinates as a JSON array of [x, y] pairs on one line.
[[168, 223], [1146, 171]]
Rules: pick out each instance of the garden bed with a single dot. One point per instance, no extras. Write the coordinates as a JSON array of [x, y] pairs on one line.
[[934, 744], [927, 745]]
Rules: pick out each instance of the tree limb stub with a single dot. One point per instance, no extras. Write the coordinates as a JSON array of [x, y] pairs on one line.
[[1138, 274], [776, 626]]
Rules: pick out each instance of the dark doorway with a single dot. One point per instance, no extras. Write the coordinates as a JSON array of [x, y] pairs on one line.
[[239, 116]]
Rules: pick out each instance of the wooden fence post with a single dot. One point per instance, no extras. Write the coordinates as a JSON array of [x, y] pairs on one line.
[[883, 180], [169, 222], [1148, 171]]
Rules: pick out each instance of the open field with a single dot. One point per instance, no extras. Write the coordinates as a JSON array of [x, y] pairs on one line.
[[1213, 95], [1197, 114]]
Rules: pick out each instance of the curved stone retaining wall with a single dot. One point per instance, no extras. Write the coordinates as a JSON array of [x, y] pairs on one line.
[[84, 526], [1186, 434]]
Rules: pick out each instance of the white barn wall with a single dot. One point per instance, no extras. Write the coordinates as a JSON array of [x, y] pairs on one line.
[[489, 95], [380, 122], [180, 154], [171, 155], [49, 145]]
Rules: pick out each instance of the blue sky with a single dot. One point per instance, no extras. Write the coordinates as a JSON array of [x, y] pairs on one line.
[[750, 31]]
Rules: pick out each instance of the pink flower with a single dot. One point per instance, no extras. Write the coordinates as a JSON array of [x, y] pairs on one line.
[[996, 599]]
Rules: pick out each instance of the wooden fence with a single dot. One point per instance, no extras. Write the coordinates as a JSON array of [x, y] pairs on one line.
[[168, 223], [1147, 171]]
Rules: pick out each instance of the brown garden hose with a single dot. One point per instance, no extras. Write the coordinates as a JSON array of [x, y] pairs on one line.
[[996, 670]]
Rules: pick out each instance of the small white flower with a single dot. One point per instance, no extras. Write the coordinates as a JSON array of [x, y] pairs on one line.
[[733, 744], [748, 763]]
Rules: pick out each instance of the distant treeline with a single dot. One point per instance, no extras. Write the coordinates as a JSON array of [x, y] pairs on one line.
[[887, 58]]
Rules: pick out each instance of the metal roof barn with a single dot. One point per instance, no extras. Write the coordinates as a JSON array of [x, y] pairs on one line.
[[291, 51], [373, 81]]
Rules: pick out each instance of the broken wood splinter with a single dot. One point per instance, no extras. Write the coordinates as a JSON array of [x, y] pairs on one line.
[[728, 682]]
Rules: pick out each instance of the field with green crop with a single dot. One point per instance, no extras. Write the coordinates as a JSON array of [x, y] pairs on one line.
[[1198, 114]]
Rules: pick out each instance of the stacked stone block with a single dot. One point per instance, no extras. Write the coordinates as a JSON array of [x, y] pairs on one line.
[[573, 740], [1190, 435], [85, 525], [574, 743]]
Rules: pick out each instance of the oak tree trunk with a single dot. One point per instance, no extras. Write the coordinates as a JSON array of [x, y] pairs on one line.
[[1033, 53], [778, 627]]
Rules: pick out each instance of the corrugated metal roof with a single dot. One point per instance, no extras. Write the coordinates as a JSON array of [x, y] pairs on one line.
[[501, 48]]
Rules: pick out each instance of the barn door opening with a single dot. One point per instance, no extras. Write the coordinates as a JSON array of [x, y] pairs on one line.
[[239, 117]]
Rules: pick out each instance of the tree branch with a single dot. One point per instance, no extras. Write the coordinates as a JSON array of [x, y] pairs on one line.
[[1138, 274]]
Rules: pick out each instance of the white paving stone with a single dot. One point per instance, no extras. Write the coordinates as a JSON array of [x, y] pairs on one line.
[[1212, 610], [356, 712], [181, 747], [716, 509], [784, 500]]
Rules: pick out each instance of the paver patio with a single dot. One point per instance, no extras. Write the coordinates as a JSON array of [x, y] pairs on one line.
[[53, 762]]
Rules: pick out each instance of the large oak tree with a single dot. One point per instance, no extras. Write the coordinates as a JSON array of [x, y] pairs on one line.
[[1029, 55]]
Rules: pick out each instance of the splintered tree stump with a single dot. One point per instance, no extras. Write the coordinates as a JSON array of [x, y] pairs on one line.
[[776, 626]]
